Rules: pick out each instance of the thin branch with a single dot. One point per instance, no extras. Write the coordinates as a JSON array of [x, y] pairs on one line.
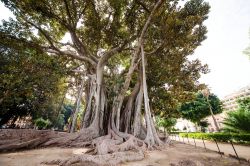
[[143, 5], [155, 50], [71, 20], [157, 5], [111, 52]]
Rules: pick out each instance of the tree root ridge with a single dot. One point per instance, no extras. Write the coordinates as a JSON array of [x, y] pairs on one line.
[[100, 160], [28, 139], [110, 149]]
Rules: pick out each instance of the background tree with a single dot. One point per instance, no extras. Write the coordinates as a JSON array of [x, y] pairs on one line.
[[166, 124], [239, 121], [30, 84], [203, 125], [206, 94], [198, 109]]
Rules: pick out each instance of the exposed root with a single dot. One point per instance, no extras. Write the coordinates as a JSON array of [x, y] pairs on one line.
[[28, 139], [78, 139], [102, 160], [110, 149], [25, 139], [28, 144]]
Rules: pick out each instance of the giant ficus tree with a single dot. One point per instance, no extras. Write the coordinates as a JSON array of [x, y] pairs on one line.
[[117, 42]]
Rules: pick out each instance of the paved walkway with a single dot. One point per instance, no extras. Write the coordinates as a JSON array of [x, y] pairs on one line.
[[242, 151]]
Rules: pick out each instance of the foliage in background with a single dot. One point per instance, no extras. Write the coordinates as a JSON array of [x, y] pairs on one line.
[[239, 121], [31, 84], [198, 109], [203, 125], [166, 123], [40, 123], [221, 137]]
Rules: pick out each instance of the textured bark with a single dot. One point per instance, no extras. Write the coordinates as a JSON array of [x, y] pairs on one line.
[[152, 138], [137, 117], [89, 100], [118, 103], [127, 112], [77, 107]]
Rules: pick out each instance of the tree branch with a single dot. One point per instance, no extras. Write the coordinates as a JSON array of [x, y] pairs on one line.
[[143, 5], [71, 54]]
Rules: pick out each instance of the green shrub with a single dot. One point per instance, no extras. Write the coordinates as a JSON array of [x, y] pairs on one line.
[[220, 137], [42, 124]]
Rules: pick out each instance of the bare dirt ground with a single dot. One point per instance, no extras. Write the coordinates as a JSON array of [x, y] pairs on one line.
[[243, 151], [176, 154]]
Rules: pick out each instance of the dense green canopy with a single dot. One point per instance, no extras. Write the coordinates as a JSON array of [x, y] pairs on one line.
[[97, 27], [198, 109]]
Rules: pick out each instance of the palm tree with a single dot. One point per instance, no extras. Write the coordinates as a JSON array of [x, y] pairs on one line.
[[239, 121], [206, 94]]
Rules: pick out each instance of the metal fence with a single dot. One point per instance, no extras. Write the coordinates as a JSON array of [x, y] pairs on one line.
[[193, 141]]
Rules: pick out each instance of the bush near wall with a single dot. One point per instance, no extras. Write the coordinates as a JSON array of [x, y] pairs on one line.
[[220, 137]]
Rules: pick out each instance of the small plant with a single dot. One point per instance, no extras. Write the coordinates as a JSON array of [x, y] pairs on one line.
[[40, 123]]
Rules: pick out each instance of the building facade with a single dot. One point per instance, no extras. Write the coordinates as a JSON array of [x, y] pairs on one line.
[[185, 125], [229, 104], [230, 101]]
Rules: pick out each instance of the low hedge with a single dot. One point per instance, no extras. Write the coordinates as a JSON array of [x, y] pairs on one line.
[[220, 137]]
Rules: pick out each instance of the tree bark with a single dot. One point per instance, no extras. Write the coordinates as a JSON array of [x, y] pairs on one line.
[[212, 114], [77, 107], [152, 138]]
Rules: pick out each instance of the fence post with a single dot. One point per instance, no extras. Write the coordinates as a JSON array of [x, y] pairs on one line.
[[179, 138], [194, 142], [183, 139], [218, 147], [234, 150], [204, 143], [187, 138]]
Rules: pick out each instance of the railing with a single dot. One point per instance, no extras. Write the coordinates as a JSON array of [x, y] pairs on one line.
[[193, 141]]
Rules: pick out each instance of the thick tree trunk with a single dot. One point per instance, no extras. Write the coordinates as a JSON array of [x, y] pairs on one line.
[[77, 107], [127, 112], [152, 137], [89, 99], [137, 117], [120, 98]]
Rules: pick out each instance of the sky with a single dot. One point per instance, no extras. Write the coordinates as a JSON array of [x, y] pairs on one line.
[[228, 35]]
